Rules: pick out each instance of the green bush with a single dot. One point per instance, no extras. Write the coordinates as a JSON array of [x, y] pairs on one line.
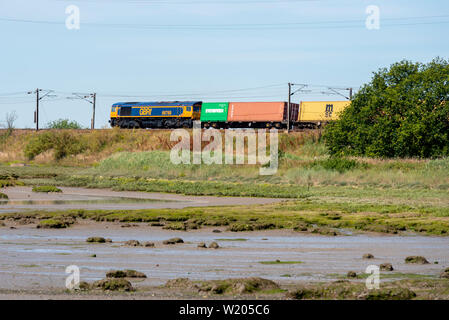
[[402, 112], [3, 196], [63, 144], [63, 124]]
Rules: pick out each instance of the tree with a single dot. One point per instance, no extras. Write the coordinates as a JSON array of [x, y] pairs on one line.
[[10, 120], [63, 124], [402, 112]]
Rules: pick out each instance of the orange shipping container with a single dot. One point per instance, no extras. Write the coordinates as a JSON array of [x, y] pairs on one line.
[[260, 111]]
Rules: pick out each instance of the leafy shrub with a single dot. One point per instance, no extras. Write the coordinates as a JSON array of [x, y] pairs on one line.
[[63, 144], [402, 112], [63, 124]]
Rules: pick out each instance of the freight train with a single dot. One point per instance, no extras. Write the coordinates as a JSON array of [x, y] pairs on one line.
[[181, 114]]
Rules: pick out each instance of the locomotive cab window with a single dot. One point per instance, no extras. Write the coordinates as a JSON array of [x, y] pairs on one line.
[[197, 107], [188, 109], [125, 111]]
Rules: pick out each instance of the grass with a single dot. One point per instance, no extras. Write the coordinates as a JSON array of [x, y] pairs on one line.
[[46, 189], [309, 214], [404, 289], [330, 194], [227, 286], [53, 224], [303, 161], [28, 265]]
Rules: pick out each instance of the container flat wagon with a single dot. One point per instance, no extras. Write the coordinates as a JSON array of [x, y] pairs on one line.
[[314, 114], [248, 114], [214, 114]]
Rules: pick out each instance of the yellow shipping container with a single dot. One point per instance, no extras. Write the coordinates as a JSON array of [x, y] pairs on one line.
[[321, 111]]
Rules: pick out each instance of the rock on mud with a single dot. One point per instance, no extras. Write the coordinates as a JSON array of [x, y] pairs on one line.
[[132, 243], [113, 285], [351, 274], [96, 240], [129, 225], [386, 267], [388, 294], [149, 244], [324, 231], [214, 245], [83, 285], [125, 274], [173, 241], [202, 245], [368, 256], [416, 260], [445, 274], [228, 286]]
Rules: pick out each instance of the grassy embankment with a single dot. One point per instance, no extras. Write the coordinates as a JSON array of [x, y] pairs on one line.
[[389, 195]]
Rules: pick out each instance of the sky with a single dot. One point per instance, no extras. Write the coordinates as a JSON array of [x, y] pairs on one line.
[[202, 50]]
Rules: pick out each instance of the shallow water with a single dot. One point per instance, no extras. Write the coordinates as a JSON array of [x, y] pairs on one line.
[[22, 199], [88, 200]]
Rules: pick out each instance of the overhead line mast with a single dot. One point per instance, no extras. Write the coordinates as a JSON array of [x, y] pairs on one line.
[[38, 98], [92, 99]]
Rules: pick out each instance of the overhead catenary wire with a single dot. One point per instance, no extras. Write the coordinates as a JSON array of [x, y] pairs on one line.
[[331, 24], [271, 90], [189, 2]]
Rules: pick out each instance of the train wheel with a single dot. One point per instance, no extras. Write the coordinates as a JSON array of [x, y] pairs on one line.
[[133, 125], [123, 124]]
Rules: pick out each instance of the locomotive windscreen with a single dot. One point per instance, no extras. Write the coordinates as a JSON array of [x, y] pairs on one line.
[[125, 111]]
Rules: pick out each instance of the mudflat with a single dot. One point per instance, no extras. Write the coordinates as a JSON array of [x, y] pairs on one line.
[[33, 261]]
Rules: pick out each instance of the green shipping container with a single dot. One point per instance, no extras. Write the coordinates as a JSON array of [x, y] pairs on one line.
[[214, 111]]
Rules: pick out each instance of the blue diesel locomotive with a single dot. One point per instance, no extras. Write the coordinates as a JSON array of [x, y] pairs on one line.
[[173, 114]]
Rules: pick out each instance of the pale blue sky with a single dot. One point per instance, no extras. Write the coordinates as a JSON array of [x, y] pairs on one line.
[[192, 49]]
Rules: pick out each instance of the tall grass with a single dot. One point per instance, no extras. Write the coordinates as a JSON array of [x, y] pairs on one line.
[[304, 160], [83, 147]]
